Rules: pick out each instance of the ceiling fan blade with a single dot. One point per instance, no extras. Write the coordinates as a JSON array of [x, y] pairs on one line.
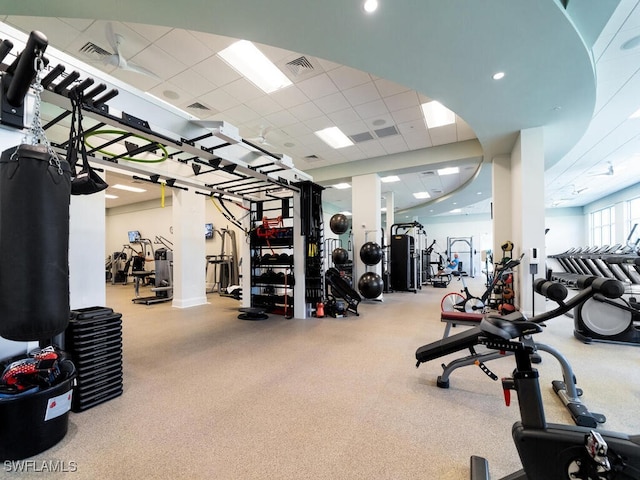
[[112, 38], [132, 67]]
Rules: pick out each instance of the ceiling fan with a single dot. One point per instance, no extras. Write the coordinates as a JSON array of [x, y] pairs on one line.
[[575, 192], [261, 139], [115, 59], [608, 172]]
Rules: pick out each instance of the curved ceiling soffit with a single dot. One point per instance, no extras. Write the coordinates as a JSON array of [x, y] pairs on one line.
[[413, 45], [447, 196]]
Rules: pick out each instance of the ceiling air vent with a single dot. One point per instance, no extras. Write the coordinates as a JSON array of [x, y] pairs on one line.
[[198, 106], [361, 137], [312, 158], [386, 131], [90, 49], [300, 66], [428, 173]]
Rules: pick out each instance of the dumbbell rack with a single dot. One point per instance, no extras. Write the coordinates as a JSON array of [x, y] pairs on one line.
[[94, 340]]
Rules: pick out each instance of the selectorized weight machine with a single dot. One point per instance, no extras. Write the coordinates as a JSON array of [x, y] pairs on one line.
[[162, 274]]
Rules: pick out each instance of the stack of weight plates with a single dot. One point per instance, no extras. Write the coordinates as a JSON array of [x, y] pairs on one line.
[[94, 340]]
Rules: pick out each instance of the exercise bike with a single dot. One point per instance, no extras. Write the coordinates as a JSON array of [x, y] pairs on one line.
[[466, 302], [551, 451]]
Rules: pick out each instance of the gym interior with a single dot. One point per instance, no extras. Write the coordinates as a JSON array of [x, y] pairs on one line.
[[234, 312]]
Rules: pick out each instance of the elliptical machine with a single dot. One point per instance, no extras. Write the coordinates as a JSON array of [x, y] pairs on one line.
[[551, 451]]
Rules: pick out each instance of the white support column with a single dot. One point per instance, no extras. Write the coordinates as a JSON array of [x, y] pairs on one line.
[[299, 258], [389, 203], [366, 220], [519, 213], [189, 282]]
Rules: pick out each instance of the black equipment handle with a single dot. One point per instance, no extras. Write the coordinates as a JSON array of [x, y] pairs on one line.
[[25, 68]]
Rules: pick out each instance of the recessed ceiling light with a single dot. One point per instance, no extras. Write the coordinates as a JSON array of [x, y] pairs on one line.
[[370, 6], [128, 188], [108, 195], [498, 76], [478, 193], [422, 195], [456, 210], [448, 171], [334, 137], [390, 179], [346, 212], [630, 44], [171, 94], [341, 186], [245, 58], [437, 115], [635, 115]]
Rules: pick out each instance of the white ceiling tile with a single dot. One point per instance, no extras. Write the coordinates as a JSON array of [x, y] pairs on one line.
[[372, 148], [372, 109], [415, 142], [216, 70], [408, 114], [464, 131], [289, 96], [354, 127], [364, 93], [264, 105], [296, 130], [150, 32], [388, 88], [59, 33], [80, 24], [401, 101], [319, 123], [327, 65], [137, 80], [393, 144], [174, 43], [378, 119], [220, 100], [348, 115], [276, 54], [413, 127], [443, 135], [192, 81], [352, 153], [306, 111], [159, 62], [281, 119], [214, 42], [332, 103], [243, 90], [242, 114], [317, 87], [347, 77]]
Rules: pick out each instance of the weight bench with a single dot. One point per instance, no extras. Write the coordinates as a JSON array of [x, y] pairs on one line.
[[455, 318]]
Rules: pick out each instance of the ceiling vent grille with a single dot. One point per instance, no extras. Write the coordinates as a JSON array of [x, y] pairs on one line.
[[386, 131], [428, 173], [312, 158], [300, 66], [361, 137], [90, 49], [198, 106]]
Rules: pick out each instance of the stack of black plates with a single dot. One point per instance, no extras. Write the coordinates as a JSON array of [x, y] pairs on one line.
[[94, 340]]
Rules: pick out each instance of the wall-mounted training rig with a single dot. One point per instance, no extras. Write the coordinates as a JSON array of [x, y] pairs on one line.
[[208, 157]]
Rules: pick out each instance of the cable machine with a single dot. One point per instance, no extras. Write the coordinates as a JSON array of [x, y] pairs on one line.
[[466, 254], [405, 261]]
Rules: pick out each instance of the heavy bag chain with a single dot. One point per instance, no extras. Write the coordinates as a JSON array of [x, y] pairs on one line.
[[36, 131]]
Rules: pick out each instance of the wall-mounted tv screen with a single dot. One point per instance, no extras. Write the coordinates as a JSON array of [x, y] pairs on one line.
[[208, 231], [134, 236]]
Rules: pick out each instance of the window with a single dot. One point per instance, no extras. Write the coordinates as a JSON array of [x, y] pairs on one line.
[[633, 218], [602, 227]]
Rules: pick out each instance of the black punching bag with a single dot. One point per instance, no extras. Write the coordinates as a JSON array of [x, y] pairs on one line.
[[35, 191]]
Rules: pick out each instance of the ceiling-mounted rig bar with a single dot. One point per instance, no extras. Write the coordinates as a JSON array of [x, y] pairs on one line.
[[245, 180]]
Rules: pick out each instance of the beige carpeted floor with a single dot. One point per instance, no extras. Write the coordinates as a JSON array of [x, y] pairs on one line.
[[208, 396]]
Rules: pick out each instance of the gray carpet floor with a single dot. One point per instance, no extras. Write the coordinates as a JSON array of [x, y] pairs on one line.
[[209, 396]]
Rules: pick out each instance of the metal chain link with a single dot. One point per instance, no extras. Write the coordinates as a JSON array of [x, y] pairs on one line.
[[36, 131]]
